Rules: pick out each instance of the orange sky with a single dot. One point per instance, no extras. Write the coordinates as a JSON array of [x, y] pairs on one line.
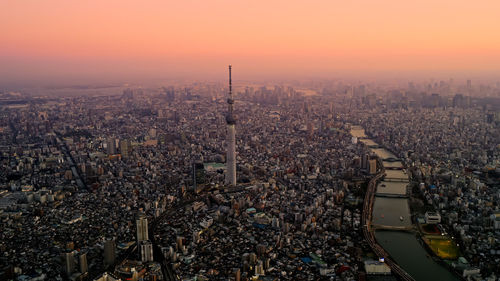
[[110, 38]]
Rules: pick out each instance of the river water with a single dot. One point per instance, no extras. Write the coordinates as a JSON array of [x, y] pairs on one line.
[[406, 250], [386, 211], [403, 247]]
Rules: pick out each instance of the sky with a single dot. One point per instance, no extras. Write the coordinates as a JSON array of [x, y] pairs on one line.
[[115, 40]]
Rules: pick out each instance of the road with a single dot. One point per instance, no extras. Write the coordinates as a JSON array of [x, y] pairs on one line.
[[64, 148]]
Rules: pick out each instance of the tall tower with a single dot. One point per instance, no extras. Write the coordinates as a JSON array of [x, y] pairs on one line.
[[231, 139]]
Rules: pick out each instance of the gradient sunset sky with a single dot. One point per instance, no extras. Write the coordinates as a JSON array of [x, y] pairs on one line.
[[89, 39]]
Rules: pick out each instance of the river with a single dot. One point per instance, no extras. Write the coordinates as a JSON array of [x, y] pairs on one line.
[[406, 250], [403, 247]]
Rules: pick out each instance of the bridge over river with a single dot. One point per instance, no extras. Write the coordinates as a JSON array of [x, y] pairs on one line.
[[389, 236]]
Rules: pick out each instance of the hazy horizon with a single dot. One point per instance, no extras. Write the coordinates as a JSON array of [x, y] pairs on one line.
[[53, 42]]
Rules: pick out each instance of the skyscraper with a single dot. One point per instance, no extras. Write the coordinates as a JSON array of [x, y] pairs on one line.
[[142, 228], [69, 263], [111, 146], [231, 138], [373, 165], [146, 250], [109, 252], [125, 148], [83, 263]]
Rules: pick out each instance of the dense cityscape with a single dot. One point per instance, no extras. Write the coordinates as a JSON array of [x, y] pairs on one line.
[[137, 183], [249, 140]]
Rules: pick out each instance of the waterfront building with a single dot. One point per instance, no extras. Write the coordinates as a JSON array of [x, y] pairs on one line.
[[432, 218]]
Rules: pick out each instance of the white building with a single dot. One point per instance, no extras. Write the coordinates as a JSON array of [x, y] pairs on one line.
[[432, 218], [377, 267]]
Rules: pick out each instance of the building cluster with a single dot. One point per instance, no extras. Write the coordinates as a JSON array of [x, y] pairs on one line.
[[132, 186], [453, 153], [78, 171]]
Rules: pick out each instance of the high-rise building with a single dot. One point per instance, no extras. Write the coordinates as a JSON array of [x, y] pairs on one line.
[[198, 175], [111, 144], [109, 252], [125, 148], [69, 263], [435, 100], [231, 138], [178, 241], [458, 100], [83, 263], [146, 250], [373, 165], [364, 161], [142, 228], [259, 268], [128, 94], [237, 274]]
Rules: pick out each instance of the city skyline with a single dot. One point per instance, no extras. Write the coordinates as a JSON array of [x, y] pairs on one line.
[[330, 176], [357, 140]]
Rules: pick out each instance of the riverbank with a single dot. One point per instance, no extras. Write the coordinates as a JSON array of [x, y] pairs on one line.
[[419, 265]]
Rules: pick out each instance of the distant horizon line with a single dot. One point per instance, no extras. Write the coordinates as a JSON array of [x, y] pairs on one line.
[[151, 82]]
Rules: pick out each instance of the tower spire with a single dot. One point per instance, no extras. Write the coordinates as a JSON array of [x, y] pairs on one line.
[[231, 138]]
